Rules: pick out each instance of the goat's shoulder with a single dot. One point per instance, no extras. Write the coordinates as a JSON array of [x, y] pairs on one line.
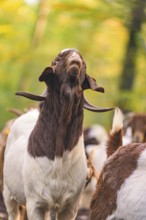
[[22, 127]]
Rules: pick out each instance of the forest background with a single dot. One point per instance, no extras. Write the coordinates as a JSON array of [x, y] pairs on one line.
[[110, 34]]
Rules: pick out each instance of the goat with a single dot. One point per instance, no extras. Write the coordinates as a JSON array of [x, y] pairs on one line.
[[94, 139], [45, 164], [94, 135], [121, 189], [135, 124]]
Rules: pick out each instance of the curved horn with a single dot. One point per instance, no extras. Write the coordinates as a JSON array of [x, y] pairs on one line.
[[93, 108], [31, 96]]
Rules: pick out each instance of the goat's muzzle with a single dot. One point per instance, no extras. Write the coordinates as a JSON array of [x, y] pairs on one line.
[[73, 73]]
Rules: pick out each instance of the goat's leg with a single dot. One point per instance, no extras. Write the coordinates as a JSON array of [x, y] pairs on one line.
[[11, 205], [35, 212], [23, 214]]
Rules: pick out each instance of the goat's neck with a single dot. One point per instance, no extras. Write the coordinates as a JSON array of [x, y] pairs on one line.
[[58, 128]]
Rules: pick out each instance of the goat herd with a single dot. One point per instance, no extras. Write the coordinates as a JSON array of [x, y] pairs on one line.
[[53, 169]]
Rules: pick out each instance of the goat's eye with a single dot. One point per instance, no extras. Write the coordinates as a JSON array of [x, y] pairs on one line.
[[56, 61]]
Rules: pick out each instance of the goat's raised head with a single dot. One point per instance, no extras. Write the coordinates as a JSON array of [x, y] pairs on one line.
[[67, 75]]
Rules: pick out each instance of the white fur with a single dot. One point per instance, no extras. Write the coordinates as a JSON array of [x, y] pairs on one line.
[[131, 199], [99, 132], [57, 180], [127, 138], [98, 155], [117, 120], [14, 154], [40, 180]]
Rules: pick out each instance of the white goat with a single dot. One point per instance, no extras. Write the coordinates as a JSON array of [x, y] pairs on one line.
[[45, 163], [95, 138]]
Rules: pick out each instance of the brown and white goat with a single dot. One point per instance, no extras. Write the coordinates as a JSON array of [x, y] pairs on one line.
[[135, 123], [45, 164], [121, 189]]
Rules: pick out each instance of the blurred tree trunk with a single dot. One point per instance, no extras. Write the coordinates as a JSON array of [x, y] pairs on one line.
[[41, 22], [37, 35], [128, 73], [129, 68]]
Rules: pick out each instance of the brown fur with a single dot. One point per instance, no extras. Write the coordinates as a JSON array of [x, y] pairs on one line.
[[54, 129], [114, 142], [61, 115], [118, 167]]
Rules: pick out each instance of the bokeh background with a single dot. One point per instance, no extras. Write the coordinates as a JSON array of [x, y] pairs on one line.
[[110, 34]]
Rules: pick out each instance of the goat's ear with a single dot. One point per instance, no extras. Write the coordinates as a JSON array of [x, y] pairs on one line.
[[47, 74], [90, 83]]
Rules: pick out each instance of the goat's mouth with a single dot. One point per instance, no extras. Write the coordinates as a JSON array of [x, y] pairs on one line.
[[73, 74]]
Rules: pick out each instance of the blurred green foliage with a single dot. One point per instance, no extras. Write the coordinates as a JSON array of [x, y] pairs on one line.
[[31, 35]]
